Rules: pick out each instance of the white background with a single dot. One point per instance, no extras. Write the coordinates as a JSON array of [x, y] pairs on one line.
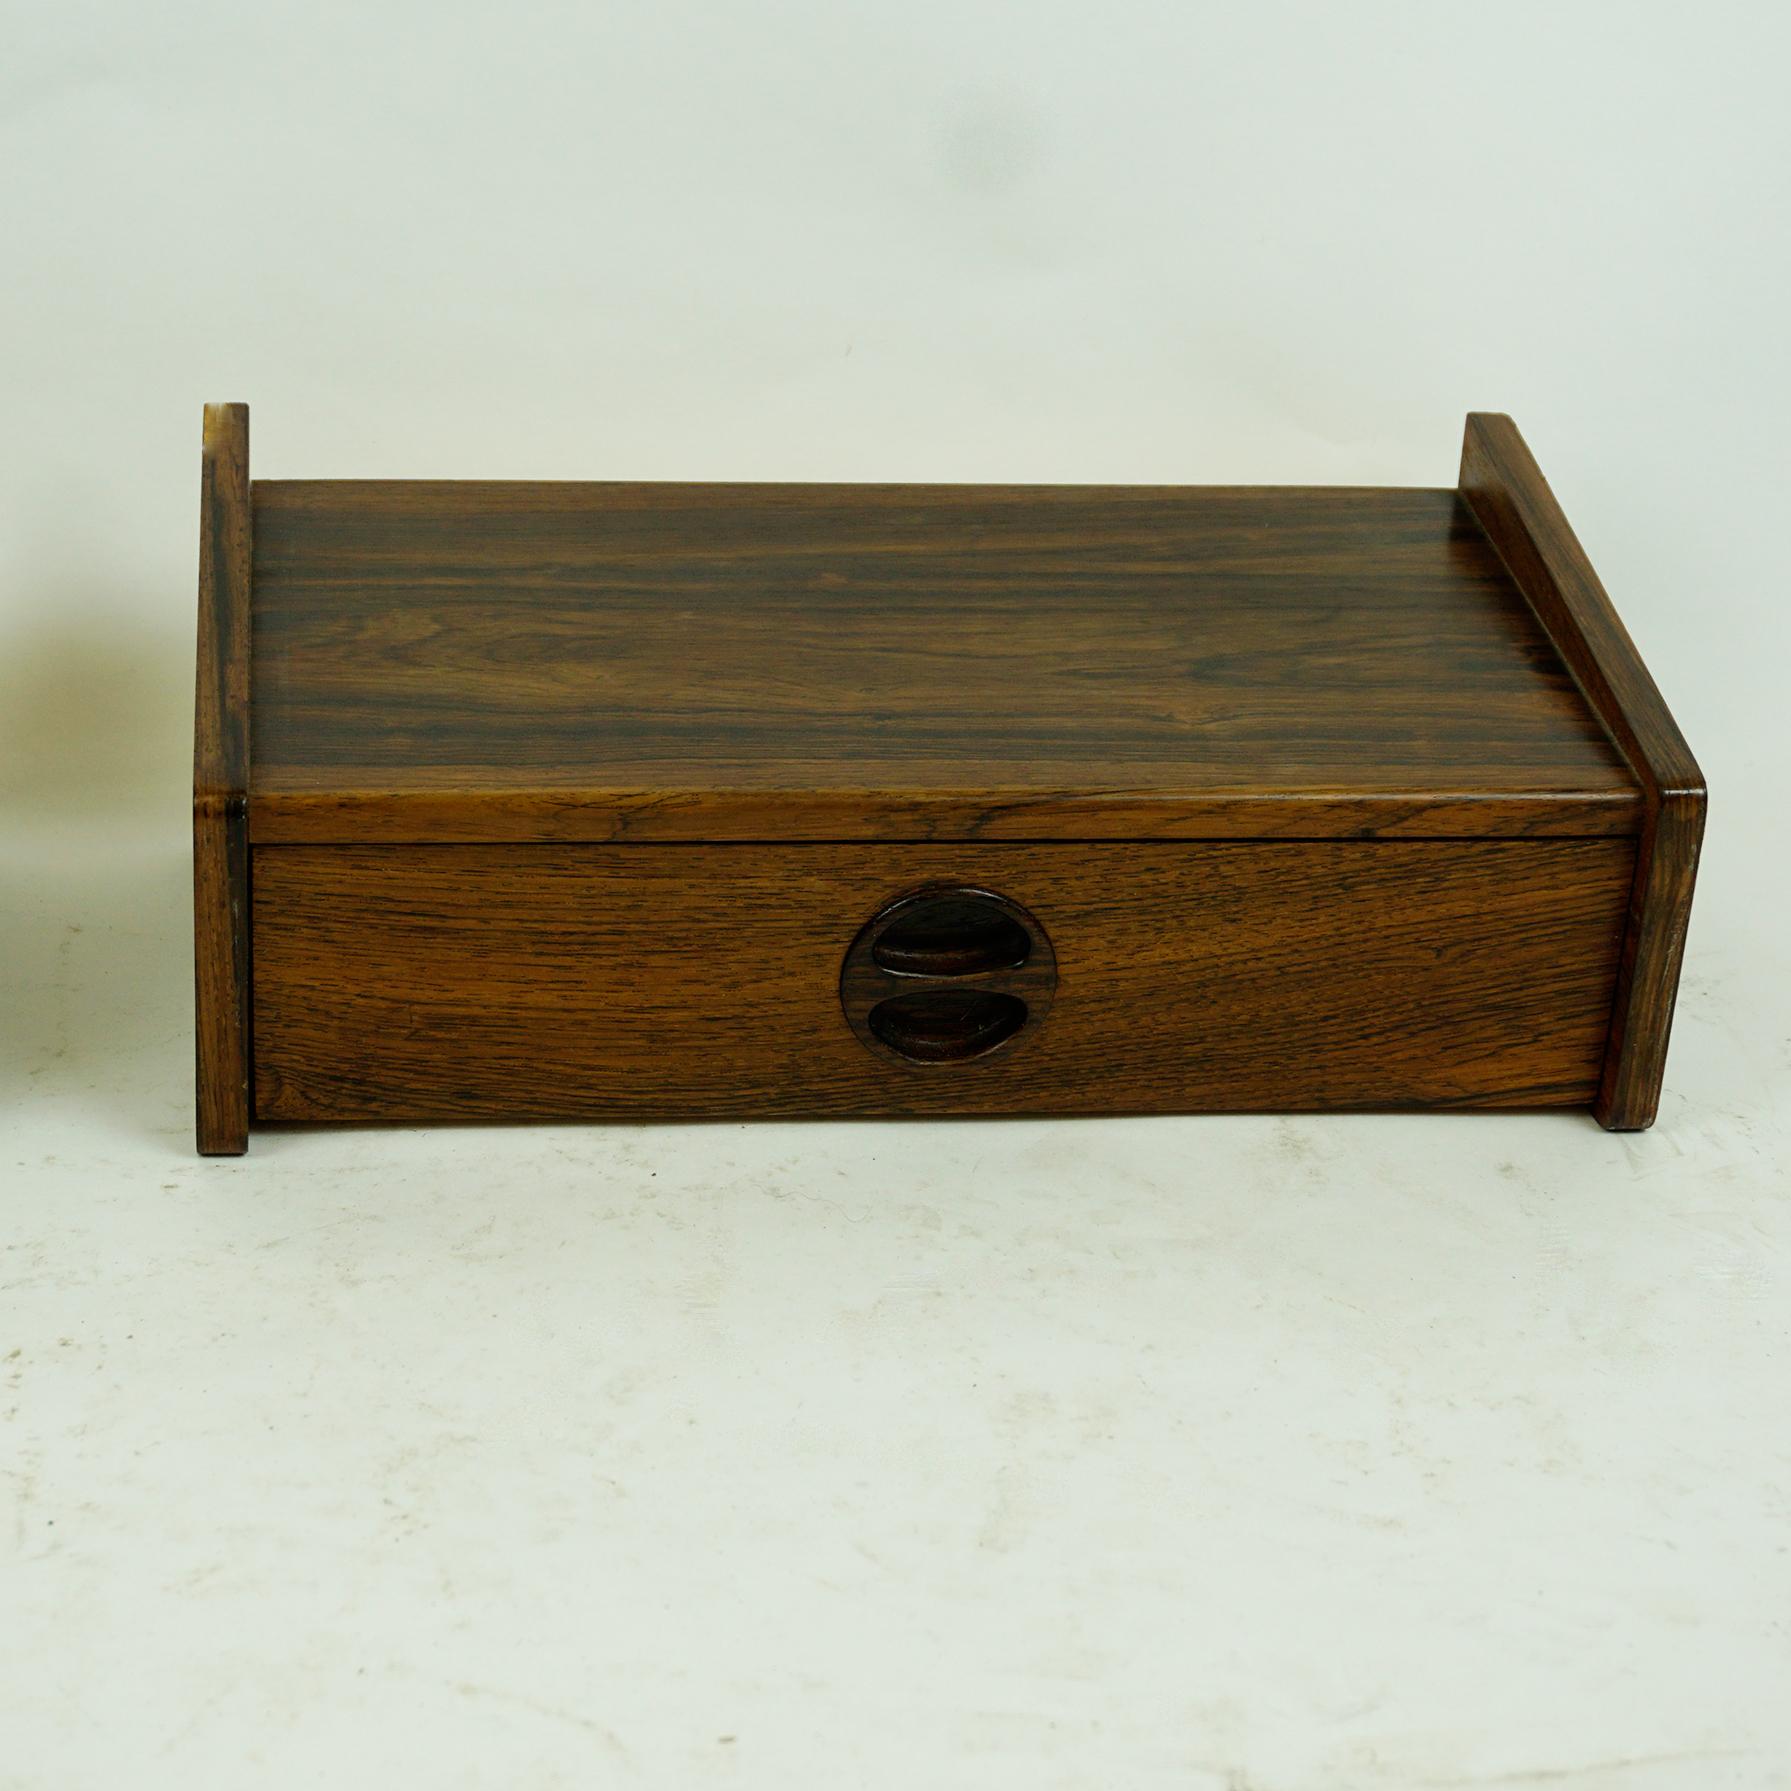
[[1205, 1453]]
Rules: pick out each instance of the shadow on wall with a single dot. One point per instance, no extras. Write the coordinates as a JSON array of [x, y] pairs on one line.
[[96, 723], [95, 878]]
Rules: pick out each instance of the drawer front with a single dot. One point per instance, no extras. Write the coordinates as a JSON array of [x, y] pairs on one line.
[[465, 981]]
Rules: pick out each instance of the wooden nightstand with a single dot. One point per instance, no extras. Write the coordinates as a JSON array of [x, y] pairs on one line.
[[625, 801]]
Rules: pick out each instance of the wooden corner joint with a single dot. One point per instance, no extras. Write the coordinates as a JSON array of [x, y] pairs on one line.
[[1504, 489]]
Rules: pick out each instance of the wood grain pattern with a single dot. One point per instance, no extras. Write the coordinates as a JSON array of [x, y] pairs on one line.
[[220, 787], [1503, 485], [420, 815], [466, 662], [1325, 798], [464, 982]]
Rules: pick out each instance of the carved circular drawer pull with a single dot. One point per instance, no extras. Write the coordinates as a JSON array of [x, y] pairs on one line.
[[948, 975]]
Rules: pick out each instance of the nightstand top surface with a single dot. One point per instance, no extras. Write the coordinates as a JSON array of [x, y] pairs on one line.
[[561, 661]]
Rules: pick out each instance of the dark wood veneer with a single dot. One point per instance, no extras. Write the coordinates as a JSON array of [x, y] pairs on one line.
[[589, 662], [562, 800], [478, 982], [221, 978], [1506, 491]]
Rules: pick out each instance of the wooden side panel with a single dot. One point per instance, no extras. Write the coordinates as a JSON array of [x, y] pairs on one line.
[[221, 787], [1504, 487], [437, 982]]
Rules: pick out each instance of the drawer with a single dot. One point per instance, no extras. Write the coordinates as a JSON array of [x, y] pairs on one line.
[[419, 982]]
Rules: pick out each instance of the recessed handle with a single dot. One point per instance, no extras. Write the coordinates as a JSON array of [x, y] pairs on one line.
[[947, 1025], [947, 975], [957, 933]]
